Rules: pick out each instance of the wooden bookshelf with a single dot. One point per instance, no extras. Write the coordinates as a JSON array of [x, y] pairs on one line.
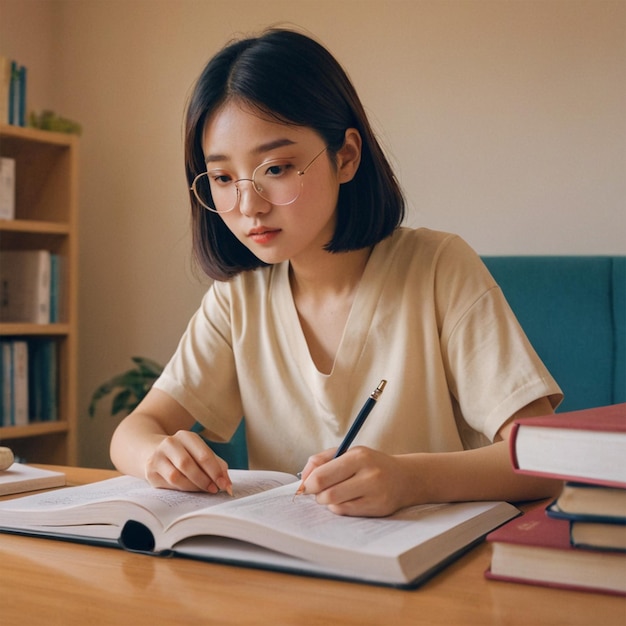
[[46, 209]]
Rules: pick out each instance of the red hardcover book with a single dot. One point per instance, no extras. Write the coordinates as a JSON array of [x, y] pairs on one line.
[[535, 549], [587, 445]]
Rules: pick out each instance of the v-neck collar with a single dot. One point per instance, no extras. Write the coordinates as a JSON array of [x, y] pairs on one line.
[[329, 389]]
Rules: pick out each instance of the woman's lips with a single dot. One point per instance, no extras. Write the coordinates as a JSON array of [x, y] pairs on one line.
[[263, 235]]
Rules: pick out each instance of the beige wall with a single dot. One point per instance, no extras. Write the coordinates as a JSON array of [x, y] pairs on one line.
[[505, 120]]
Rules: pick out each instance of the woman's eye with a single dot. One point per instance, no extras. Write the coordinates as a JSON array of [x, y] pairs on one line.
[[277, 169], [220, 179]]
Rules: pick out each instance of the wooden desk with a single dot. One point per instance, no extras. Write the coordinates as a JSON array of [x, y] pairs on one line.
[[52, 582]]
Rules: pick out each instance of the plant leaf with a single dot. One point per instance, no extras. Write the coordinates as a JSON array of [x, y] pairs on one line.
[[121, 401], [133, 383], [148, 366]]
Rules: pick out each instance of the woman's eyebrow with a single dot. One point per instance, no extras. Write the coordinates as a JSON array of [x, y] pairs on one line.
[[272, 145], [261, 149]]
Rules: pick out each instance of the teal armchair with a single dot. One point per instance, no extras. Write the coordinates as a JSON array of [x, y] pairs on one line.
[[573, 309]]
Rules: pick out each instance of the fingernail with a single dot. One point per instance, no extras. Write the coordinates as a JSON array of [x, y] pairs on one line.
[[298, 492], [225, 485]]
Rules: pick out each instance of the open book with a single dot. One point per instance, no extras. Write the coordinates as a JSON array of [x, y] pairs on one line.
[[262, 525]]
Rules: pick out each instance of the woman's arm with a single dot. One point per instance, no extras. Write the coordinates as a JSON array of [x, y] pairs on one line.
[[154, 442], [366, 482]]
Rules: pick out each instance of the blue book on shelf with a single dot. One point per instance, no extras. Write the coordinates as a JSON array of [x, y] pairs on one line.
[[17, 94], [22, 97], [13, 93], [43, 380]]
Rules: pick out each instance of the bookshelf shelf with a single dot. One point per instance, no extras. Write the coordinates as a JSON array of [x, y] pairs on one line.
[[33, 430], [52, 330], [34, 226], [46, 206]]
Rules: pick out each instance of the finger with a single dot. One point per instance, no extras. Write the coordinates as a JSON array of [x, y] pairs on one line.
[[315, 461], [344, 478], [207, 461], [359, 507], [328, 476], [185, 462], [163, 474]]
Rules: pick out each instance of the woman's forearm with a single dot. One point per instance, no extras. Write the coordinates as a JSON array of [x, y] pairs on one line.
[[479, 474]]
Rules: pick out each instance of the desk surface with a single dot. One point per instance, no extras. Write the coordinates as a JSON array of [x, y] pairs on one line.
[[53, 582]]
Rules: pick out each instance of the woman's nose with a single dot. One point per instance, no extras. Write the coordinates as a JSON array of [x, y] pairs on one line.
[[250, 202]]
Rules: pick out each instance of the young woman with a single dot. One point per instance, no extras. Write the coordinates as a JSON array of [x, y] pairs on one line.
[[319, 294]]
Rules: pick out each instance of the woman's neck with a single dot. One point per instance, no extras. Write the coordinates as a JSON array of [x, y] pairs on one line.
[[332, 274], [323, 294]]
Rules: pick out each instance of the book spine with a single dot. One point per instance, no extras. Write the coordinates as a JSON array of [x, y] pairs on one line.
[[11, 362], [512, 446], [55, 283], [13, 93], [43, 296], [22, 97], [20, 383], [43, 381], [7, 383], [25, 286], [7, 188], [5, 82], [51, 381], [17, 90]]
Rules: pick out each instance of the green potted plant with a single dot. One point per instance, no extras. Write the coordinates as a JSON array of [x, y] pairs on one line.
[[131, 386]]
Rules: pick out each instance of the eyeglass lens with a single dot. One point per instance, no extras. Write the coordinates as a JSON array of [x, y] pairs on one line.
[[277, 182]]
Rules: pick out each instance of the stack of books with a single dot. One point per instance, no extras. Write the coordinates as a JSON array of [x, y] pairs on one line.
[[29, 381], [579, 540]]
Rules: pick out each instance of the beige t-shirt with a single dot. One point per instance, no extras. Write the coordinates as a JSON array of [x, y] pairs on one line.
[[427, 317]]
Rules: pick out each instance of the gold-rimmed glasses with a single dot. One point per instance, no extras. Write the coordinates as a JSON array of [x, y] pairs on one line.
[[277, 181]]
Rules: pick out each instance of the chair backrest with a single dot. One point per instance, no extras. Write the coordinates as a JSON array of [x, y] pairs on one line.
[[573, 310], [234, 452]]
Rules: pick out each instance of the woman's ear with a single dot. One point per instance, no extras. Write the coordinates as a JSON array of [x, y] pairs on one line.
[[349, 156]]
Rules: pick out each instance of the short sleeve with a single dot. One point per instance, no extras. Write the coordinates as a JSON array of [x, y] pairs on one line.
[[492, 369], [201, 375]]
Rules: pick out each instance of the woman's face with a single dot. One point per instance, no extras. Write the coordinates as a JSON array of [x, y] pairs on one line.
[[236, 141]]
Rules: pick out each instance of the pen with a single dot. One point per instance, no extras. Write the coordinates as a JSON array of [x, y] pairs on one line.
[[359, 420]]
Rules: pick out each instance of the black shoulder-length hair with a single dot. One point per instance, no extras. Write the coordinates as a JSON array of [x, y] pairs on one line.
[[293, 79]]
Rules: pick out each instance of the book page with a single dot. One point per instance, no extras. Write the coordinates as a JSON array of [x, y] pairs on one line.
[[119, 499], [298, 525], [302, 517]]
